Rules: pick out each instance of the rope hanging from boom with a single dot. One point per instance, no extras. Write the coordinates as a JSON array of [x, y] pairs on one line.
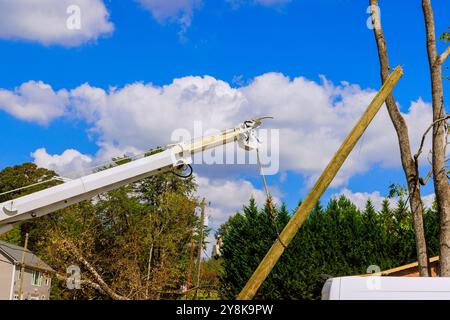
[[269, 198]]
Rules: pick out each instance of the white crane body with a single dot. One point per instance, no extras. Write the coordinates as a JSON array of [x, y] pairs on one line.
[[60, 196]]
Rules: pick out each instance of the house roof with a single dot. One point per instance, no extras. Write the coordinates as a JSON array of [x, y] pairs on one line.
[[14, 253]]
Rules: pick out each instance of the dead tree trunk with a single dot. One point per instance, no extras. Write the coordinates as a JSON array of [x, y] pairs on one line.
[[90, 283], [101, 283], [441, 184], [409, 166]]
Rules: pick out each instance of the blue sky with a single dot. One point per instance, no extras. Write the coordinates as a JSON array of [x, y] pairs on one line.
[[233, 43]]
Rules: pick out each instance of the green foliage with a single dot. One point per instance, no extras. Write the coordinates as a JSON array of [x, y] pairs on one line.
[[445, 37], [397, 190], [24, 175], [16, 178], [121, 160], [338, 240], [154, 151]]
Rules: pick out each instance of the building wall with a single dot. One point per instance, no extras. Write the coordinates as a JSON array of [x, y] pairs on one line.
[[31, 291], [6, 274]]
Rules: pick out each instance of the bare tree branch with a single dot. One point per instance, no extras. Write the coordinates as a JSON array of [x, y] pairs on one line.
[[90, 283], [416, 156], [444, 55], [419, 151]]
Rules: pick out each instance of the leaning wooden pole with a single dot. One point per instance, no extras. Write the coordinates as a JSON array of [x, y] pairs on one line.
[[200, 246], [294, 224], [22, 267]]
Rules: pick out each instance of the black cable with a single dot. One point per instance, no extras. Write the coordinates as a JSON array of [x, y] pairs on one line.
[[185, 176], [269, 201]]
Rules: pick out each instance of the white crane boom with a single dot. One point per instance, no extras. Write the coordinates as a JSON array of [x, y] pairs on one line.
[[52, 199]]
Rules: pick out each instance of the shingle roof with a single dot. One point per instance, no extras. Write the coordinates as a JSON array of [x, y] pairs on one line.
[[14, 253]]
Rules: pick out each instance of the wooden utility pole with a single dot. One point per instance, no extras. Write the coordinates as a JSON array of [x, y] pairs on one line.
[[200, 245], [191, 259], [22, 267], [149, 268], [294, 224]]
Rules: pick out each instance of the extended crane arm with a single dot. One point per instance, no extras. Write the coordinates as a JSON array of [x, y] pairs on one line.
[[52, 199]]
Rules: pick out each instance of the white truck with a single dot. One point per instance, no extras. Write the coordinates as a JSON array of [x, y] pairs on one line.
[[174, 156], [386, 288]]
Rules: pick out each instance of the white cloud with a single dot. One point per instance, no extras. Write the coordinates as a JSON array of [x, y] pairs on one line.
[[180, 11], [316, 117], [45, 21], [139, 116], [228, 196], [360, 199], [71, 162], [428, 200], [34, 101]]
